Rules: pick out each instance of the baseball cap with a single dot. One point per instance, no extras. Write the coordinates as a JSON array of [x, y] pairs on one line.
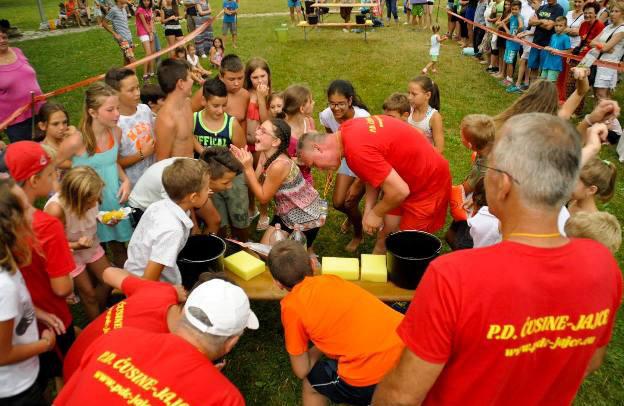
[[219, 308], [24, 159]]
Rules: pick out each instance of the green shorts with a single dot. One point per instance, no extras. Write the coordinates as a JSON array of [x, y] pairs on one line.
[[233, 204], [434, 58], [418, 10], [550, 75]]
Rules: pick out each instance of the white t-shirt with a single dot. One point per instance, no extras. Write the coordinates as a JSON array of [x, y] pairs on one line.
[[15, 304], [574, 23], [326, 117], [193, 60], [159, 237], [149, 188], [484, 228], [136, 130], [435, 45]]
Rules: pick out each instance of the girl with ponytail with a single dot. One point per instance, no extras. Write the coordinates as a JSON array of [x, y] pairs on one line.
[[279, 178]]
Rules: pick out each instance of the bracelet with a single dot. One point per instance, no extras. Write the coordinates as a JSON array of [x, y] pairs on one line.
[[141, 156], [587, 121]]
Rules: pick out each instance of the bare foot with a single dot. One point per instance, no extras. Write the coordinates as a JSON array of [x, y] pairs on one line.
[[424, 71], [345, 226], [353, 244]]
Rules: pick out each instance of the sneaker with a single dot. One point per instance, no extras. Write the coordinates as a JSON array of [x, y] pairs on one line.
[[524, 87], [506, 83], [345, 30], [204, 56], [512, 89]]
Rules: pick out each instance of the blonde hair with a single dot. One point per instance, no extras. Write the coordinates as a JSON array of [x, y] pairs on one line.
[[602, 174], [295, 96], [94, 98], [540, 97], [15, 231], [619, 4], [479, 130], [397, 102], [598, 226], [79, 187], [183, 177]]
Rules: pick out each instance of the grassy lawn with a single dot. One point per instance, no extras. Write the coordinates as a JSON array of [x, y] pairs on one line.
[[259, 365]]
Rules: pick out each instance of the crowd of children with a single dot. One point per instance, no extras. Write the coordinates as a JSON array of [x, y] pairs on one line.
[[216, 160]]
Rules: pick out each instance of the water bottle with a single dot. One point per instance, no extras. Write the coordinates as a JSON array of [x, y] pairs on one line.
[[278, 235], [299, 236], [324, 209]]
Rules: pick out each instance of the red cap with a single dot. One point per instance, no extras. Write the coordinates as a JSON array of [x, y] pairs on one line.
[[24, 159]]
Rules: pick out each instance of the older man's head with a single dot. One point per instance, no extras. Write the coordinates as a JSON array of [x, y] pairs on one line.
[[539, 156]]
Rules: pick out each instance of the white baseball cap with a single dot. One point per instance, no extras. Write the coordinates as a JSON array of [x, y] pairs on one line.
[[220, 308]]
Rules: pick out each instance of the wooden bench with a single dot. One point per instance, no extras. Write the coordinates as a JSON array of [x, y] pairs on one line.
[[367, 5], [262, 287], [306, 26]]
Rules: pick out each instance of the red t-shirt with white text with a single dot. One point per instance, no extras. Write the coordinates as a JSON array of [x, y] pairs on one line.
[[50, 258], [135, 367], [145, 307], [375, 145], [514, 324]]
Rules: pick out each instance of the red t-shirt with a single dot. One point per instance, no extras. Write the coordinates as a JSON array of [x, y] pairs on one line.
[[375, 145], [132, 366], [514, 324], [145, 307], [585, 34], [51, 259]]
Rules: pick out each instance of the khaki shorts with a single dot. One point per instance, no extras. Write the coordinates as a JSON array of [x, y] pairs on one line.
[[233, 204]]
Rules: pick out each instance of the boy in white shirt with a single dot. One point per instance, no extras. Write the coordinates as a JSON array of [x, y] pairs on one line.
[[136, 149], [165, 226]]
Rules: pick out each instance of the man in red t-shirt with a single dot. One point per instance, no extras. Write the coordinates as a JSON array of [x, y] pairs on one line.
[[47, 276], [521, 322], [149, 305], [133, 366], [390, 156]]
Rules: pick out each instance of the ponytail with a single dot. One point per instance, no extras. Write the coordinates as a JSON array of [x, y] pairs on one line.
[[430, 86]]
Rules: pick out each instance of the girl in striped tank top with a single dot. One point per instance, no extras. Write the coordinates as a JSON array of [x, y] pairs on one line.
[[296, 201]]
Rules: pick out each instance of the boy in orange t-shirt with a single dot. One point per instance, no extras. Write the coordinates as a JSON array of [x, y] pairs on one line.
[[353, 329]]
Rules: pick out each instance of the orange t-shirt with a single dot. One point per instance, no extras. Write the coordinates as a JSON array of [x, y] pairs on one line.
[[346, 323]]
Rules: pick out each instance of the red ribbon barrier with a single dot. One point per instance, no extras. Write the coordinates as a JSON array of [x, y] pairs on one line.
[[605, 64], [90, 80]]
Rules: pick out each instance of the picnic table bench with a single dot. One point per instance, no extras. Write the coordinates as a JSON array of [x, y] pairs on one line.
[[305, 25], [262, 287]]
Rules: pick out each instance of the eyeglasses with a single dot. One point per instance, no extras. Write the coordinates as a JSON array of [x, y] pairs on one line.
[[262, 131], [341, 105], [483, 168]]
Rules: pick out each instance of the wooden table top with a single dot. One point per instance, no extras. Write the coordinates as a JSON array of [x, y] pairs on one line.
[[262, 287], [343, 5], [305, 24]]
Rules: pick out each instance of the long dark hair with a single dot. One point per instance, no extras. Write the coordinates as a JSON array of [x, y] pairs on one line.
[[346, 89], [282, 132], [429, 85]]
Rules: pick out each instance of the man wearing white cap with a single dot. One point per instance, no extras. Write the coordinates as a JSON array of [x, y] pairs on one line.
[[138, 367]]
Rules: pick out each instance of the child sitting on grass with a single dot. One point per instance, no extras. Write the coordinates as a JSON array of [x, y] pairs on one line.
[[217, 51], [353, 346], [598, 226], [434, 50], [165, 226], [397, 105], [196, 67], [597, 180], [560, 41]]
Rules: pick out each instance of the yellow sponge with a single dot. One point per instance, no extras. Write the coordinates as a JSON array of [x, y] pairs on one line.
[[374, 268], [244, 265], [346, 268]]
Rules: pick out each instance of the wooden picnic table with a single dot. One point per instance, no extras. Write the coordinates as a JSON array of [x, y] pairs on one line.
[[262, 287], [305, 25], [368, 5]]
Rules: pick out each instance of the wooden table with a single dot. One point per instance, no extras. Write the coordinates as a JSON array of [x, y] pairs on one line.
[[305, 26], [262, 287], [368, 5]]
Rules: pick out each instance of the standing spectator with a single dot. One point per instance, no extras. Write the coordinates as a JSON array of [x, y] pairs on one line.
[[544, 22], [553, 64], [118, 17], [610, 45], [574, 19], [145, 32], [170, 18], [230, 9], [392, 11], [17, 80], [471, 331], [479, 33], [203, 42]]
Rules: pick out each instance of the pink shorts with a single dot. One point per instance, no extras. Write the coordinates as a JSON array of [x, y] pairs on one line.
[[81, 265]]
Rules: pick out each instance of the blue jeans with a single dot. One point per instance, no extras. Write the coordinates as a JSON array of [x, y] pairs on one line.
[[392, 9]]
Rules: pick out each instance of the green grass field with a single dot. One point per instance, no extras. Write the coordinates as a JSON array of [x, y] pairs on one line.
[[259, 365]]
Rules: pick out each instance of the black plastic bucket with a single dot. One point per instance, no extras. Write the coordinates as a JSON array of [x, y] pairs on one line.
[[313, 20], [408, 255], [202, 253]]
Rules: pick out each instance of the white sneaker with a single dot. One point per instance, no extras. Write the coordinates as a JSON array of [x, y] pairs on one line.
[[204, 56], [345, 30]]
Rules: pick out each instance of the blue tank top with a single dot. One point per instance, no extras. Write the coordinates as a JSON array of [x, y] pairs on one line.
[[208, 138]]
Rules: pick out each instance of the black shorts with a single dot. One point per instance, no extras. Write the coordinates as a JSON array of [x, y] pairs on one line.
[[500, 44], [325, 380], [176, 32], [463, 239], [51, 362], [310, 234]]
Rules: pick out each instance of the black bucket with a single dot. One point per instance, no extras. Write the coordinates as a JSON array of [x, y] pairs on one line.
[[202, 253], [313, 20], [360, 19], [408, 255]]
